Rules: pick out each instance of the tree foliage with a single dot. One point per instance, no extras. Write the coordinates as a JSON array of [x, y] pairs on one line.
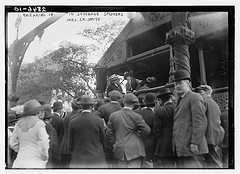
[[103, 35], [65, 69]]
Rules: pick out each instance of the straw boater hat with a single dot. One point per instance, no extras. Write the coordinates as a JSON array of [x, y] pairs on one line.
[[32, 107], [86, 100], [181, 75]]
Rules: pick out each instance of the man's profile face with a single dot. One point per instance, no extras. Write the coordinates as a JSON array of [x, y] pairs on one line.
[[181, 86]]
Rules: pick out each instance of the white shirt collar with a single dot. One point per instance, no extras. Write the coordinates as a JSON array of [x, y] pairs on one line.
[[168, 102], [86, 111], [125, 107], [147, 108]]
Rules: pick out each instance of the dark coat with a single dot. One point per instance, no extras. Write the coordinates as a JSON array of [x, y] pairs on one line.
[[215, 131], [114, 86], [224, 123], [64, 143], [105, 110], [134, 85], [57, 123], [148, 116], [163, 129], [123, 132], [190, 124], [86, 141], [54, 157]]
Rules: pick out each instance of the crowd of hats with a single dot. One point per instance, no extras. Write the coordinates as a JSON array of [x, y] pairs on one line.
[[32, 107]]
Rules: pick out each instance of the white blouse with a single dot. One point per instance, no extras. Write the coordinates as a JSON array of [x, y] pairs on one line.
[[31, 141]]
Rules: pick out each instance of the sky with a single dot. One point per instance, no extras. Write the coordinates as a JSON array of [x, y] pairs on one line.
[[65, 28]]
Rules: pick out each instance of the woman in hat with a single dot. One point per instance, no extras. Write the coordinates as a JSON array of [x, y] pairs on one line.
[[30, 138], [114, 84]]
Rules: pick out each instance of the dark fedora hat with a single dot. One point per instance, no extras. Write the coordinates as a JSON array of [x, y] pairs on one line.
[[128, 74], [57, 105], [181, 75], [163, 91], [12, 117], [31, 107], [149, 98], [86, 100]]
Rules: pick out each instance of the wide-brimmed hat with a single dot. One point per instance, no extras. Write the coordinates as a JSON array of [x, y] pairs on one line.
[[86, 100], [149, 98], [181, 75], [127, 74], [31, 107], [130, 98], [113, 77], [57, 105], [163, 91]]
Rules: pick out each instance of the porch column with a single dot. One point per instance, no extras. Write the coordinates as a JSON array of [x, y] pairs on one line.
[[201, 64], [180, 37]]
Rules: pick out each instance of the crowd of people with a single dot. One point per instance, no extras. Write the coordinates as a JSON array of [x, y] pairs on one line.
[[186, 130]]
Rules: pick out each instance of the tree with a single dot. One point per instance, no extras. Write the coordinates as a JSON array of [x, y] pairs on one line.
[[103, 35], [65, 70]]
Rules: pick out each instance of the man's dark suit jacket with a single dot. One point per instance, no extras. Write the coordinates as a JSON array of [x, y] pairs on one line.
[[87, 140]]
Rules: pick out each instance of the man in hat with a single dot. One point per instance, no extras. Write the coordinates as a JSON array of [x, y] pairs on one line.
[[163, 129], [114, 85], [190, 124], [123, 131], [87, 138], [57, 121], [104, 112], [65, 154], [147, 113], [215, 131], [132, 83], [54, 156]]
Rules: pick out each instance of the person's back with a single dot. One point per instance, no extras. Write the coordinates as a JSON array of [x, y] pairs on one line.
[[126, 124], [105, 110], [215, 132], [54, 158], [123, 132], [86, 141]]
